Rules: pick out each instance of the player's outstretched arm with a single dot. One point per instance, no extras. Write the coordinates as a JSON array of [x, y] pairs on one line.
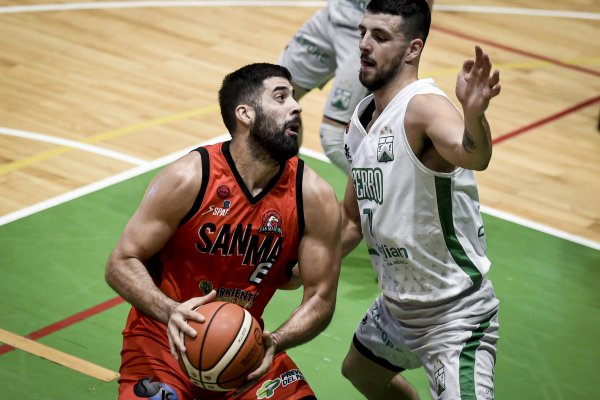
[[463, 142], [168, 199], [319, 258]]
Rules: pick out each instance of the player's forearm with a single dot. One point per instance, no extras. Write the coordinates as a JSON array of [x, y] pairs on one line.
[[307, 321], [477, 143], [351, 234], [130, 279]]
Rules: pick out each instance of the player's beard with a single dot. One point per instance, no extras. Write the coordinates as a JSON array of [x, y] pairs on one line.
[[269, 141], [382, 76]]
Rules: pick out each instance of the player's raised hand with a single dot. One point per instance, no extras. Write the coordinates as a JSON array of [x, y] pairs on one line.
[[178, 321], [475, 87]]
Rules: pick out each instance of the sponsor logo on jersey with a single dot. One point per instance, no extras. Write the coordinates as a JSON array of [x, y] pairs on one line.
[[267, 390], [291, 376], [368, 183], [341, 99], [219, 211], [271, 223], [385, 149], [223, 191], [312, 49], [439, 374], [237, 296]]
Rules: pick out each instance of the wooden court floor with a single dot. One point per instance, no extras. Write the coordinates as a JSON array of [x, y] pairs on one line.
[[91, 93]]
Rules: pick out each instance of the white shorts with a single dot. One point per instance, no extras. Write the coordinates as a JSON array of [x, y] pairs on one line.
[[320, 51], [455, 341]]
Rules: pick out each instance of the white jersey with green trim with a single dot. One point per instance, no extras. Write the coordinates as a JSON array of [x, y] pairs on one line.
[[347, 12], [423, 228]]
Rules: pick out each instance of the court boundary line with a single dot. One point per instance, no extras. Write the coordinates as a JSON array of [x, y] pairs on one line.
[[41, 137], [532, 12]]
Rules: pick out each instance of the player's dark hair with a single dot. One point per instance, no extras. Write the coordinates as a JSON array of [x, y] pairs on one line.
[[416, 15], [244, 86]]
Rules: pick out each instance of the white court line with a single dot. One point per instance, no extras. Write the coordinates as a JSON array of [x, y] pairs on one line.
[[74, 144], [149, 166], [103, 183], [316, 4]]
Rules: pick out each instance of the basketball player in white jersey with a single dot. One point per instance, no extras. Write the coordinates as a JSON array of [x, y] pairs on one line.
[[326, 47], [412, 196]]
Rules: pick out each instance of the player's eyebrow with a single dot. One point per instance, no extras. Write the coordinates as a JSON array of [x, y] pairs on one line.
[[282, 88]]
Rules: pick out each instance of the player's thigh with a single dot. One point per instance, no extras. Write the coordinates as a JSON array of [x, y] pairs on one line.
[[363, 370], [310, 55], [462, 366]]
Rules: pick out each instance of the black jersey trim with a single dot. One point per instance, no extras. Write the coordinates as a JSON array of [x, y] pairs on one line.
[[367, 115], [205, 176], [252, 199], [299, 199]]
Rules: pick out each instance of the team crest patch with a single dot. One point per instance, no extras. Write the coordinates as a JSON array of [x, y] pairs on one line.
[[439, 376], [341, 99], [385, 149], [271, 223]]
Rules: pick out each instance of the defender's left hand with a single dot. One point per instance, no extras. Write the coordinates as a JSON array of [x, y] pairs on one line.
[[474, 86]]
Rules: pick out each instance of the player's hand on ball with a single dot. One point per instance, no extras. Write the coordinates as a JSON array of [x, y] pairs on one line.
[[177, 321], [270, 351]]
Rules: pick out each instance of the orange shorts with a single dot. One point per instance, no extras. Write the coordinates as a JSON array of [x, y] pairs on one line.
[[144, 357]]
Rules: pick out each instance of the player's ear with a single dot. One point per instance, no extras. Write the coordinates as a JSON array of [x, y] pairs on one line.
[[245, 114], [413, 51]]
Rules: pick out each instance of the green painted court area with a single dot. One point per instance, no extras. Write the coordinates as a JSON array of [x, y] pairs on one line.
[[52, 267]]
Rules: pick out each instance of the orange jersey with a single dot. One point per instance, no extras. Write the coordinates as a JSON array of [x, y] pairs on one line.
[[240, 245]]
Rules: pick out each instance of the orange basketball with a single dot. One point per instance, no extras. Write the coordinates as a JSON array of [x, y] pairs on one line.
[[228, 347]]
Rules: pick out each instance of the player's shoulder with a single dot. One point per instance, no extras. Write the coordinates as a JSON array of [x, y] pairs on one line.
[[184, 173], [314, 187]]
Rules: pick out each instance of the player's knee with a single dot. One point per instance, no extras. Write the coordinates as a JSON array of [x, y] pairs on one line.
[[332, 141]]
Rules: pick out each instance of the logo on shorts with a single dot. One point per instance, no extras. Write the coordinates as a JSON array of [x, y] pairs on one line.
[[439, 374], [150, 389], [267, 390], [341, 99], [385, 148]]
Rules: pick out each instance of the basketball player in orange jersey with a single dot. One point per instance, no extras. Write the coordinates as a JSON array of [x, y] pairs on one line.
[[229, 222]]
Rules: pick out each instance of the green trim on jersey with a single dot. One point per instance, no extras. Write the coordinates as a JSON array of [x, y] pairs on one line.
[[467, 361], [443, 191]]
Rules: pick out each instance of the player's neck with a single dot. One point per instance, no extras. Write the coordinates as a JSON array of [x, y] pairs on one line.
[[255, 173], [386, 94]]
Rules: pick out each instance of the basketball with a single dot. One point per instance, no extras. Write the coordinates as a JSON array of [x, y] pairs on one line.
[[227, 348]]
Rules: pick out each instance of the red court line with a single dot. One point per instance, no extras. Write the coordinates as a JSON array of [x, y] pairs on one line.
[[73, 319], [546, 120], [515, 50]]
